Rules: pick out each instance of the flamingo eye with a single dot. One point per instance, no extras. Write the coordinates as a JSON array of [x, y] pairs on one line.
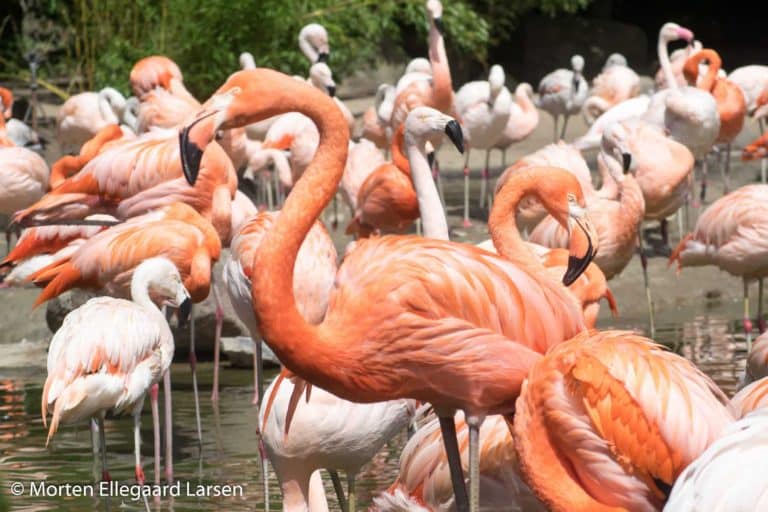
[[571, 197]]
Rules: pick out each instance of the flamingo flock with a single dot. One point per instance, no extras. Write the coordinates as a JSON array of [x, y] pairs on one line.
[[491, 354]]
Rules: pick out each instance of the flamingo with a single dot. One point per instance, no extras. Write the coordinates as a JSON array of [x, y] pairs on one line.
[[314, 274], [436, 92], [82, 116], [247, 61], [69, 165], [325, 432], [417, 69], [23, 180], [19, 133], [411, 313], [716, 480], [484, 107], [608, 421], [731, 105], [523, 120], [627, 109], [313, 43], [320, 76], [131, 177], [109, 352], [376, 118], [729, 234], [563, 92], [677, 61], [362, 159], [752, 397], [423, 483], [616, 83]]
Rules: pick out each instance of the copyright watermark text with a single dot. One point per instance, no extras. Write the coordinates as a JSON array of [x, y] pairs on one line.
[[132, 491]]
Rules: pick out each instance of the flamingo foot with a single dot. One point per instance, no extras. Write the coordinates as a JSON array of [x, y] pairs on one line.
[[139, 475], [105, 476], [747, 325], [466, 223], [466, 171], [486, 173], [192, 361]]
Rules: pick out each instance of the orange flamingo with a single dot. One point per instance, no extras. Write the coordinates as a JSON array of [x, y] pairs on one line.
[[731, 105], [437, 92], [420, 286], [608, 421], [131, 177], [69, 165], [109, 352], [730, 235]]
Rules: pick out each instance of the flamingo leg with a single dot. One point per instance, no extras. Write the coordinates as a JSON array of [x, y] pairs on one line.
[[664, 228], [270, 198], [155, 429], [258, 373], [763, 161], [418, 226], [351, 492], [554, 128], [103, 443], [137, 451], [649, 299], [336, 481], [335, 220], [703, 194], [264, 472], [216, 342], [565, 126], [484, 180], [193, 366], [168, 427], [95, 447], [760, 319], [467, 222], [747, 320], [474, 462], [448, 429], [726, 169]]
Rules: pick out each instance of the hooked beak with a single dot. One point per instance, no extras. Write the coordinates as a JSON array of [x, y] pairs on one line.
[[626, 161], [431, 159], [453, 131], [575, 83], [323, 57], [193, 139], [331, 90], [439, 25], [581, 249]]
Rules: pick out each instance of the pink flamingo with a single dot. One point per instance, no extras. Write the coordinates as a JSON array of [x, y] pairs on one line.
[[393, 337], [82, 116], [109, 352], [376, 118], [484, 107], [523, 120], [609, 420], [729, 235], [23, 180], [313, 43], [616, 83]]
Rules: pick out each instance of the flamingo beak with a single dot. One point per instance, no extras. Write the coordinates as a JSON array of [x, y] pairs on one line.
[[323, 57], [581, 248], [185, 311], [439, 25], [431, 159], [331, 90], [193, 140], [626, 162], [453, 131]]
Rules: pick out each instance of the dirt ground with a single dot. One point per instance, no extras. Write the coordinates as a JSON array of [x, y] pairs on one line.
[[676, 297]]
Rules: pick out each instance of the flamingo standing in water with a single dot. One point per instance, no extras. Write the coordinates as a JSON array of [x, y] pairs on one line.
[[731, 105], [731, 235], [608, 421], [484, 107], [109, 352], [563, 92], [523, 120], [412, 313]]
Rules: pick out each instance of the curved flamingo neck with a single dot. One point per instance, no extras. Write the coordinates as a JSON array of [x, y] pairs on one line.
[[296, 343], [62, 169], [502, 225], [430, 208], [441, 72], [398, 158], [709, 80], [523, 99], [666, 66]]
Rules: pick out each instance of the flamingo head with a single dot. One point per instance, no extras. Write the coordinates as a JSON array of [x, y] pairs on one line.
[[425, 124], [321, 77], [673, 32], [316, 35], [435, 11]]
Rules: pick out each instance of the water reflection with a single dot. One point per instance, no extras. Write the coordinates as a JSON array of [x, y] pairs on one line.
[[230, 449]]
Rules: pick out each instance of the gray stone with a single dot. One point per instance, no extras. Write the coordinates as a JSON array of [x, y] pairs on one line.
[[239, 351]]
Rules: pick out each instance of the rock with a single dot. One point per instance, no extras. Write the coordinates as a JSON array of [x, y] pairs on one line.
[[205, 318], [239, 351]]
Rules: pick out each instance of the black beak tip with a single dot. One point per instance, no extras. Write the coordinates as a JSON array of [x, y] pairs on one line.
[[185, 310], [191, 155], [453, 131], [576, 267], [431, 159], [323, 57], [331, 90], [439, 25], [626, 161]]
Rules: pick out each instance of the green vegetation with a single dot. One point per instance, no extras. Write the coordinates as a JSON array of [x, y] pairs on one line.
[[95, 42]]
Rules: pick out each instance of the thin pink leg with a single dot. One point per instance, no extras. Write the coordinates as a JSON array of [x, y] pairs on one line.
[[193, 366], [168, 428], [153, 391], [258, 374], [217, 341], [103, 441], [466, 222]]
